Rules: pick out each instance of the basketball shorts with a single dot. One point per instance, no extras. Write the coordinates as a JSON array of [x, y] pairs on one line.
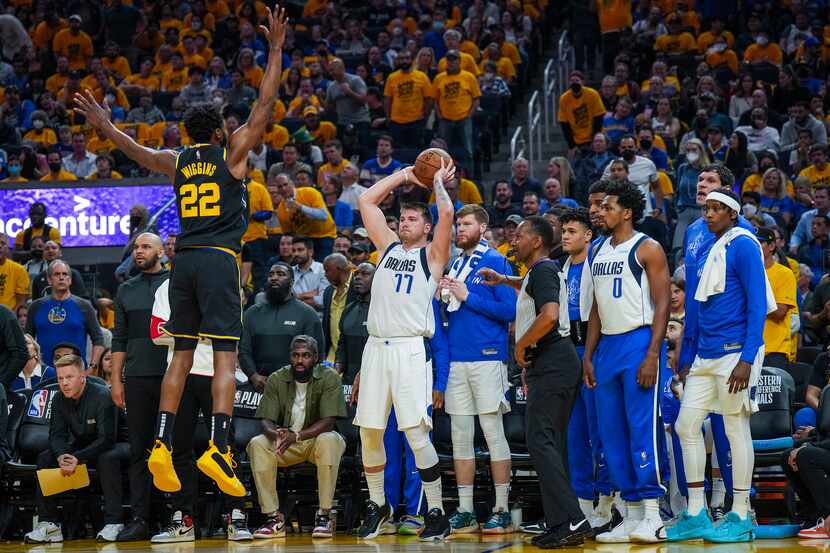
[[706, 386], [204, 295], [394, 372], [476, 388]]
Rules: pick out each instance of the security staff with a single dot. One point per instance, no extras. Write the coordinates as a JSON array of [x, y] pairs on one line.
[[137, 371], [269, 327]]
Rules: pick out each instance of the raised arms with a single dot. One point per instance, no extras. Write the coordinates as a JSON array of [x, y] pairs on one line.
[[438, 253], [374, 221]]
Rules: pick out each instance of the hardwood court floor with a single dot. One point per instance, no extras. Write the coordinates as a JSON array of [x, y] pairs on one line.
[[392, 544]]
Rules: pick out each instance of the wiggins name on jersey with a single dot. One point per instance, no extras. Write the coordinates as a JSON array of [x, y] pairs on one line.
[[212, 203]]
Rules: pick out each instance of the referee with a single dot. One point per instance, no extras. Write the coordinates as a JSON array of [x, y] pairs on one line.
[[552, 372], [141, 365]]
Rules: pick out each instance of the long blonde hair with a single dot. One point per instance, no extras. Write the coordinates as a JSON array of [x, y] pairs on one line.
[[565, 174], [782, 181], [704, 153]]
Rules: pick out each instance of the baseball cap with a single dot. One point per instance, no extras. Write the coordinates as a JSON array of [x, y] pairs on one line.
[[310, 110], [453, 54], [765, 234], [360, 231], [77, 17], [515, 219], [359, 247]]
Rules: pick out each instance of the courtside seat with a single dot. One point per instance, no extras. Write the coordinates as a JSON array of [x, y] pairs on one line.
[[801, 372], [808, 354], [823, 414], [772, 424]]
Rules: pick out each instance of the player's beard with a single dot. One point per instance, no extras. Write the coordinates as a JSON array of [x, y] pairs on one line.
[[303, 376], [277, 294], [148, 262], [470, 243]]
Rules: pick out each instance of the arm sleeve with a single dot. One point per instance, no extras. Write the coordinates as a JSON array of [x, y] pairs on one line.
[[119, 332], [315, 213], [501, 306], [58, 433], [91, 323], [246, 357], [106, 420], [750, 270], [440, 350], [689, 349], [15, 345]]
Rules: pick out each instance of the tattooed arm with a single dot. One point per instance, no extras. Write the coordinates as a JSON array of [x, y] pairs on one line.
[[438, 254]]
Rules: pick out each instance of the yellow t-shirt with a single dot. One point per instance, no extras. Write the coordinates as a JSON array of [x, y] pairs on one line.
[[151, 83], [174, 81], [727, 57], [665, 183], [580, 112], [96, 145], [54, 236], [258, 200], [614, 15], [705, 40], [300, 225], [469, 47], [14, 281], [77, 48], [753, 184], [327, 169], [324, 132], [508, 252], [407, 92], [56, 82], [817, 178], [456, 94], [62, 175], [683, 43], [46, 136], [277, 137], [770, 53], [254, 75], [44, 33], [504, 68], [468, 63], [777, 334], [119, 65], [295, 103], [467, 193]]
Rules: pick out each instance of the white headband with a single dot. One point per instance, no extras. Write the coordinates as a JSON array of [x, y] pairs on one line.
[[731, 203]]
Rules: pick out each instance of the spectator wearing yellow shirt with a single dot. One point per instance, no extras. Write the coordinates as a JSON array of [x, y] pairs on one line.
[[302, 212], [56, 170], [47, 29], [322, 132], [163, 60], [720, 55], [14, 280], [819, 171], [305, 98], [614, 19], [176, 78], [74, 44], [14, 167], [255, 239], [38, 228], [408, 98], [103, 168], [507, 49], [40, 133], [777, 334], [334, 165], [252, 72], [276, 136], [115, 62], [506, 248], [100, 145], [671, 84], [456, 100], [580, 113], [143, 81], [764, 51], [716, 29], [219, 8], [452, 40], [57, 81], [677, 41], [504, 67]]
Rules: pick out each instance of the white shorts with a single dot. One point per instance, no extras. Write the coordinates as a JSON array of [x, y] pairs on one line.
[[476, 388], [394, 372], [707, 389]]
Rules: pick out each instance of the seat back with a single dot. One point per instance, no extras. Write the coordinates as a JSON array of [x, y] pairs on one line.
[[245, 423], [345, 427], [774, 396], [823, 414], [801, 373], [808, 354], [17, 409], [34, 428], [514, 421]]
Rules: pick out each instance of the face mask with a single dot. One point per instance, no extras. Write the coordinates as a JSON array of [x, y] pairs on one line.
[[438, 26], [692, 157], [135, 221], [762, 41], [576, 88], [717, 48], [397, 31], [55, 166], [38, 124], [645, 144], [628, 155], [218, 100], [749, 210], [14, 169]]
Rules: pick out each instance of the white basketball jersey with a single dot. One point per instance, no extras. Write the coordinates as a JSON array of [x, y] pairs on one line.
[[621, 287], [402, 292]]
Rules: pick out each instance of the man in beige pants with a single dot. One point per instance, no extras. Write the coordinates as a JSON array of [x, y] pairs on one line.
[[298, 409]]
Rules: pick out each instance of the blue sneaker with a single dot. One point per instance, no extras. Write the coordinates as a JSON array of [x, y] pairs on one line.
[[498, 523], [690, 527], [731, 529]]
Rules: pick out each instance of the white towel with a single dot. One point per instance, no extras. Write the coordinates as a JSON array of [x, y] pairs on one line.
[[461, 269], [713, 279]]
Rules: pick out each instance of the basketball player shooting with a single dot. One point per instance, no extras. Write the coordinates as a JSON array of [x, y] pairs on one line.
[[209, 181], [395, 368]]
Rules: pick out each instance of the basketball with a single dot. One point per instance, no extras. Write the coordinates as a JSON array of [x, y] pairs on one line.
[[428, 162]]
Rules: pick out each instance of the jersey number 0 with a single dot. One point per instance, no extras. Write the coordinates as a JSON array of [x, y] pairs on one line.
[[200, 200]]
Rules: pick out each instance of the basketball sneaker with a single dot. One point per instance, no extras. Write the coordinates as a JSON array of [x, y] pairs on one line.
[[534, 527], [619, 533], [109, 532], [376, 516], [179, 530], [650, 530], [323, 525], [44, 532], [815, 532], [274, 527], [160, 465], [567, 534], [462, 522], [219, 467], [690, 527], [436, 526], [410, 525], [732, 529], [498, 523], [236, 526]]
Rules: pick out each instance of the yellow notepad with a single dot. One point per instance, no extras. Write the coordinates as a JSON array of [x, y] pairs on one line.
[[53, 482]]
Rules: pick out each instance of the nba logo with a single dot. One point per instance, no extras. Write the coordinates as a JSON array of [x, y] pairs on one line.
[[37, 408]]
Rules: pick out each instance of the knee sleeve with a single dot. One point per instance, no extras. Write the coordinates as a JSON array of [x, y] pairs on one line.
[[184, 344], [493, 428], [224, 345], [374, 454], [463, 431], [422, 448], [691, 441], [740, 443]]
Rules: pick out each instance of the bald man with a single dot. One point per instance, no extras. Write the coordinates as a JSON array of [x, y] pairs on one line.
[[335, 298], [143, 364]]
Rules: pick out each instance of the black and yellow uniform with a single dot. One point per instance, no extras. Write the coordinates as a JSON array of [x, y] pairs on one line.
[[213, 216]]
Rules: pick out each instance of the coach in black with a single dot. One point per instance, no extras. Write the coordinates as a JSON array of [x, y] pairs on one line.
[[552, 373], [141, 365], [353, 331]]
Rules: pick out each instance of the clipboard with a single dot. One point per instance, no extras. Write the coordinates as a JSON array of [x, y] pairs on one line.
[[52, 482]]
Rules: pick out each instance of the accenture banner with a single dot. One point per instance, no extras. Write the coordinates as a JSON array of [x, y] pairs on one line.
[[97, 214]]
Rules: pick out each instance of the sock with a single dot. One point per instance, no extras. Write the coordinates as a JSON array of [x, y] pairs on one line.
[[635, 509], [374, 481], [220, 425], [433, 492], [465, 499], [652, 509], [604, 505], [740, 503], [502, 492], [697, 501], [718, 493], [164, 428], [587, 507], [620, 503]]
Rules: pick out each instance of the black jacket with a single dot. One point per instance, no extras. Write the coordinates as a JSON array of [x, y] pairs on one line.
[[133, 312], [85, 427], [13, 351], [328, 295], [353, 337]]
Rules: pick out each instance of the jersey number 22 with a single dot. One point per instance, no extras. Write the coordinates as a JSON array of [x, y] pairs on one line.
[[200, 201]]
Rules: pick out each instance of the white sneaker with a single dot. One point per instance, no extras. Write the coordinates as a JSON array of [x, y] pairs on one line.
[[236, 527], [649, 530], [620, 533], [44, 532], [390, 527], [109, 532], [599, 519], [179, 530]]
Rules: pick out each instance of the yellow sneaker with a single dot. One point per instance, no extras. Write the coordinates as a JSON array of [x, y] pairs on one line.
[[160, 465], [219, 468]]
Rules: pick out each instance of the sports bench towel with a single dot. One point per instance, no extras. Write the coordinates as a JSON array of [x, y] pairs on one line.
[[461, 269]]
